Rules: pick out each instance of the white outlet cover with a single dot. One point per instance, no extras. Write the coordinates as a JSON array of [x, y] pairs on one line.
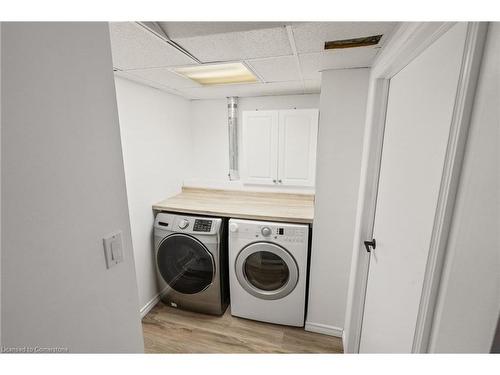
[[113, 249]]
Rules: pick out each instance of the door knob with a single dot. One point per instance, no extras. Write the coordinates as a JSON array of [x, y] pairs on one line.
[[369, 245]]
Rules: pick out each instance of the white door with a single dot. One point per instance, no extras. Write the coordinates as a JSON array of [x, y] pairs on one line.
[[298, 133], [419, 114], [260, 147]]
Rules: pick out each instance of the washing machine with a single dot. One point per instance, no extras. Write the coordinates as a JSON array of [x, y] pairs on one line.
[[268, 271], [191, 262]]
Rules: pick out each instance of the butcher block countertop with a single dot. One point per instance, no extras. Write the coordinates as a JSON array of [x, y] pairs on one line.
[[285, 207]]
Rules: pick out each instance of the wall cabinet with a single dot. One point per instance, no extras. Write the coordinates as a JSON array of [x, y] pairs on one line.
[[279, 147]]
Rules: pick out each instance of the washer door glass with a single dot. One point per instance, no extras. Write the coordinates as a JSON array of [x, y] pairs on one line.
[[266, 270], [185, 264]]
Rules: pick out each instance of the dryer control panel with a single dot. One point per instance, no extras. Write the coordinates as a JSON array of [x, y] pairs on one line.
[[269, 231]]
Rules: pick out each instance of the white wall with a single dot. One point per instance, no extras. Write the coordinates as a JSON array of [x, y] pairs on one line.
[[210, 138], [156, 141], [63, 189], [209, 129], [0, 183], [340, 141], [469, 297]]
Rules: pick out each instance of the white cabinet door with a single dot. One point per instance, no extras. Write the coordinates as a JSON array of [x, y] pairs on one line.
[[260, 147], [298, 132]]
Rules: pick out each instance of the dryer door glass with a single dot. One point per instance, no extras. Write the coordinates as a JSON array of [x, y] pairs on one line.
[[266, 271], [185, 264]]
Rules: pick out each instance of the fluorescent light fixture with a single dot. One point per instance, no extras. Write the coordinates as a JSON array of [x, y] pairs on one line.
[[218, 74]]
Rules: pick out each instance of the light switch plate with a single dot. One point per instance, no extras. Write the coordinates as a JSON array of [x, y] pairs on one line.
[[113, 249]]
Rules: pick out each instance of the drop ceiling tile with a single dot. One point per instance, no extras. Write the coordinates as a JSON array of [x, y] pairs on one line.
[[312, 86], [242, 45], [313, 63], [165, 77], [311, 37], [189, 29], [254, 89], [126, 74], [276, 69], [133, 47]]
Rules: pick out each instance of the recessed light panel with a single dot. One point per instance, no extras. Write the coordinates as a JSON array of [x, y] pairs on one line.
[[218, 74]]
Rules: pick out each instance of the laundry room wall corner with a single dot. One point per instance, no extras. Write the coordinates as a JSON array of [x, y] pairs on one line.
[[342, 118], [156, 145]]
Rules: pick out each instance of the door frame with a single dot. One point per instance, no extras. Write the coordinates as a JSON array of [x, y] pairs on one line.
[[410, 40]]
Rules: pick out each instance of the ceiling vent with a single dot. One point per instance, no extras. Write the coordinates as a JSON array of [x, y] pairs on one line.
[[352, 43]]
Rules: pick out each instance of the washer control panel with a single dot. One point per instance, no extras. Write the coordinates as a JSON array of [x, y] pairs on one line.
[[187, 224], [201, 225]]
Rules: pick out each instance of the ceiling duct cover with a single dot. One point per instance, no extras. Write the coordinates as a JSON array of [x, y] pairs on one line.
[[352, 43]]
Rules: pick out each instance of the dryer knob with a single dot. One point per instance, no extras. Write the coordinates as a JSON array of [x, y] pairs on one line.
[[183, 224], [266, 231], [233, 227]]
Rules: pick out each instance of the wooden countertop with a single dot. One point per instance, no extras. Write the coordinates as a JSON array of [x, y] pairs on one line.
[[285, 207]]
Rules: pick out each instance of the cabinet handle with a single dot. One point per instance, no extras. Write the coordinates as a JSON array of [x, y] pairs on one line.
[[274, 181], [280, 181]]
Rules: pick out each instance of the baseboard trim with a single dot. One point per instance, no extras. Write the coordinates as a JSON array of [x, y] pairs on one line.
[[324, 329], [151, 303]]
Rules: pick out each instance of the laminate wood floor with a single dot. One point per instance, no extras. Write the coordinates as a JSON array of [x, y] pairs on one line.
[[169, 330]]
